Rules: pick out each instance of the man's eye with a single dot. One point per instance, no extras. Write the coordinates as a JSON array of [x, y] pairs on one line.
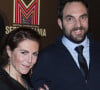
[[35, 54], [84, 17], [70, 19]]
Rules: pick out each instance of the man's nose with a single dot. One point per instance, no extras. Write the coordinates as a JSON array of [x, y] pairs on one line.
[[78, 23]]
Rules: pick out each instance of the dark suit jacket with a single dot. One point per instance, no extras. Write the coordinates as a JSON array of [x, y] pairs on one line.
[[58, 70]]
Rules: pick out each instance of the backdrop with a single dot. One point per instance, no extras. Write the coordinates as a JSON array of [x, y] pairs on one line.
[[15, 13]]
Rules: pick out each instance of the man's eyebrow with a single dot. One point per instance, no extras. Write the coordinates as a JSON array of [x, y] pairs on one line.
[[68, 16], [84, 14]]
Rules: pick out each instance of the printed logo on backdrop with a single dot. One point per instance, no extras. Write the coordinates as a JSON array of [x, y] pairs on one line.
[[26, 13]]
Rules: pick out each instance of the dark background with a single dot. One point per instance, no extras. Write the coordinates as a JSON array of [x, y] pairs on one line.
[[94, 13], [48, 18]]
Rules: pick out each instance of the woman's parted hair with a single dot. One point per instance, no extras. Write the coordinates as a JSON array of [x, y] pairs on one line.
[[20, 34]]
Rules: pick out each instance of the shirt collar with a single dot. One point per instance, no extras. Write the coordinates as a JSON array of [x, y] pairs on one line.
[[72, 45]]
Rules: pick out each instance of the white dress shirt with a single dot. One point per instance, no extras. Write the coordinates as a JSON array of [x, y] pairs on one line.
[[71, 47]]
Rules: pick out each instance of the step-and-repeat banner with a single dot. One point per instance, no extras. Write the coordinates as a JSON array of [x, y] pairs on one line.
[[40, 15], [27, 14]]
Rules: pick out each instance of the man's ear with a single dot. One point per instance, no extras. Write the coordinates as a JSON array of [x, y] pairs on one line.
[[8, 51], [60, 23]]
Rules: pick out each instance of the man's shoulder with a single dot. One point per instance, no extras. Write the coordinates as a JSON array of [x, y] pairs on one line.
[[95, 43], [51, 48], [55, 45]]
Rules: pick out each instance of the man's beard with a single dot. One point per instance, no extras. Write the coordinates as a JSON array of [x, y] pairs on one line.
[[73, 39]]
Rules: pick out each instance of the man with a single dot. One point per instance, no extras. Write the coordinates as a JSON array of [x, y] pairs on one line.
[[60, 65]]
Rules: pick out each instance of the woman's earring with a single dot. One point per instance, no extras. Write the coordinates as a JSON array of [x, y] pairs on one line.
[[9, 66]]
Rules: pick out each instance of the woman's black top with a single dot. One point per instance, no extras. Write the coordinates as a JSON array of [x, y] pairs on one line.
[[8, 83]]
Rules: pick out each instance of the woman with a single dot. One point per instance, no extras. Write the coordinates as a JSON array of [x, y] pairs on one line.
[[19, 55]]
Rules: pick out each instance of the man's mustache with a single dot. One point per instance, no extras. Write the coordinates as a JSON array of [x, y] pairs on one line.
[[78, 28]]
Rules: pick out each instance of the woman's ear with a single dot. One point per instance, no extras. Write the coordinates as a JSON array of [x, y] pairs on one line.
[[8, 51]]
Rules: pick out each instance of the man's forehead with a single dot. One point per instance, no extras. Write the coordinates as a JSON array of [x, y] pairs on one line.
[[74, 8], [74, 5]]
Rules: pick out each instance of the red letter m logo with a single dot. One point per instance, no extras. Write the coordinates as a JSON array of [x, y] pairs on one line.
[[27, 14]]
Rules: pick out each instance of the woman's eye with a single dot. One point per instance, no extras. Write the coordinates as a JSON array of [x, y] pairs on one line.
[[24, 53]]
